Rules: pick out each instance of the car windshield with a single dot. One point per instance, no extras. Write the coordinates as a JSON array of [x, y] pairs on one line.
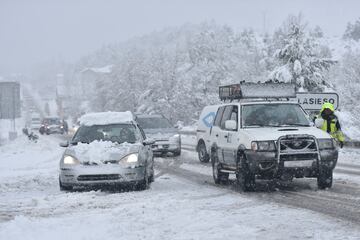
[[118, 133], [153, 123], [273, 115], [52, 121]]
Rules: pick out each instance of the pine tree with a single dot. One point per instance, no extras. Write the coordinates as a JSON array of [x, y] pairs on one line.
[[299, 57]]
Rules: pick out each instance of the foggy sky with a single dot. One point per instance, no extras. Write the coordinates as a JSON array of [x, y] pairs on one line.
[[37, 31]]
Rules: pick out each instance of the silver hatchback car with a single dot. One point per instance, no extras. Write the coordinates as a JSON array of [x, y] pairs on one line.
[[108, 150]]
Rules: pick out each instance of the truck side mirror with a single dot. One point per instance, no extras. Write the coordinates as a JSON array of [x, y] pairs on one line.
[[319, 122], [230, 125]]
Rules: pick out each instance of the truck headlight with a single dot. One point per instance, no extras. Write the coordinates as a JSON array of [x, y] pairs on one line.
[[263, 146], [70, 160], [326, 144]]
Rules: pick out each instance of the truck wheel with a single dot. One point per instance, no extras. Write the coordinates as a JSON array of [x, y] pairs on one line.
[[202, 154], [245, 177], [219, 177], [325, 178]]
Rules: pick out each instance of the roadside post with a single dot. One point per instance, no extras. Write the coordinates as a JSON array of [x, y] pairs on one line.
[[10, 104]]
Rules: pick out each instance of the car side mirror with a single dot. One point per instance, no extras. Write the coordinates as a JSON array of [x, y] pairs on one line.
[[230, 125], [148, 141], [64, 144]]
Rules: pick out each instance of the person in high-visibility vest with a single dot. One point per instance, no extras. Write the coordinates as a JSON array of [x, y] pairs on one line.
[[328, 121]]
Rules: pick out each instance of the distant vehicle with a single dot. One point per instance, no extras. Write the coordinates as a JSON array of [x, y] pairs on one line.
[[50, 125], [167, 138], [268, 136], [108, 150], [204, 125]]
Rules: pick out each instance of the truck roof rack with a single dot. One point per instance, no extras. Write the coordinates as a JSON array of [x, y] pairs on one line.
[[248, 90]]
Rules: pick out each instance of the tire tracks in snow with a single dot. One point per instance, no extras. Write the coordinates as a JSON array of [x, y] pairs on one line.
[[340, 202]]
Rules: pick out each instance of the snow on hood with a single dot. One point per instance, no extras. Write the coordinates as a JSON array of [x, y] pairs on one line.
[[98, 151], [105, 118], [272, 133]]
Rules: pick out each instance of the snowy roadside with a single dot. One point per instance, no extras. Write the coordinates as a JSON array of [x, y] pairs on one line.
[[172, 209], [32, 207]]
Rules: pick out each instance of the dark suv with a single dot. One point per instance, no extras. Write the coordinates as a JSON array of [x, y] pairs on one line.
[[167, 138], [50, 125]]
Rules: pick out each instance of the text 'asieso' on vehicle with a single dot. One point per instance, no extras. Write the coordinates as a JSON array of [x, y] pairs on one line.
[[266, 134]]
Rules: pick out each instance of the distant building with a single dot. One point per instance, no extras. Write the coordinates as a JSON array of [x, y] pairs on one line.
[[90, 76]]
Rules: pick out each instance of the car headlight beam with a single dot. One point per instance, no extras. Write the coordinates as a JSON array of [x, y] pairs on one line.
[[70, 160], [131, 158]]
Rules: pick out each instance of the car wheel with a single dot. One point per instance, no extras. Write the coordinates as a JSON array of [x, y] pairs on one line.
[[244, 176], [177, 153], [64, 188], [152, 177], [143, 184], [325, 178], [202, 154], [219, 177]]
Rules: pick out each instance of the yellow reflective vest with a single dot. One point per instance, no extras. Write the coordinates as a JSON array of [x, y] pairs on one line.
[[333, 128]]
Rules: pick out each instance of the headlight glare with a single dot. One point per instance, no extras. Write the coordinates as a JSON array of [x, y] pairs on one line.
[[131, 158], [70, 160]]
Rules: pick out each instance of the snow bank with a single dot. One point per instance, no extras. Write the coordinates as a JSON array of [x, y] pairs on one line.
[[104, 118]]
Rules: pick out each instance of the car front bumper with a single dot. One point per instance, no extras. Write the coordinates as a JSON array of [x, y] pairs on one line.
[[111, 174], [166, 146], [54, 130]]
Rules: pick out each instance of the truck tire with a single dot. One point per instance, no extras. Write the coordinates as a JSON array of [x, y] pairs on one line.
[[244, 176], [202, 154], [325, 178], [219, 177]]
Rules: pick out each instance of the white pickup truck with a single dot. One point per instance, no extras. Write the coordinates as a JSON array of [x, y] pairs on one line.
[[266, 135]]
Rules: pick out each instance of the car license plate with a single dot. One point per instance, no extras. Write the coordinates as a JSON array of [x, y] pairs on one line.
[[303, 163]]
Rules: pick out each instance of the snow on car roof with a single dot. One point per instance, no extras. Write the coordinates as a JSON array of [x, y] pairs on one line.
[[105, 118]]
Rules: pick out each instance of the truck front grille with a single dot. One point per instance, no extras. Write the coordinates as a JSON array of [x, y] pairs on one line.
[[297, 148]]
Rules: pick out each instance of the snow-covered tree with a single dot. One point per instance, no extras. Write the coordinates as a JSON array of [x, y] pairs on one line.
[[299, 57], [353, 31]]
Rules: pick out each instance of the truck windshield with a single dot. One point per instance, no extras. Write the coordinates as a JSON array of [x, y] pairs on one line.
[[273, 115]]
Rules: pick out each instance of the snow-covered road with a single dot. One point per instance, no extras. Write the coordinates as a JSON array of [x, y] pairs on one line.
[[182, 203]]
